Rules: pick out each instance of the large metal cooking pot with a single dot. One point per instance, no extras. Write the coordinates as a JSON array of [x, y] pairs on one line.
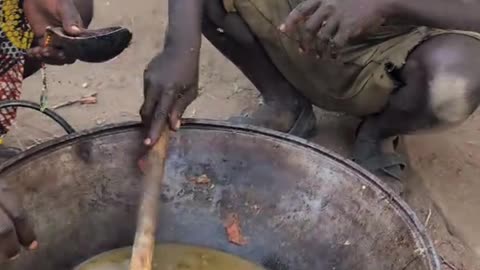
[[301, 207]]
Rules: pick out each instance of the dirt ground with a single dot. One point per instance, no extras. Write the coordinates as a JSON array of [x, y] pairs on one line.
[[446, 166]]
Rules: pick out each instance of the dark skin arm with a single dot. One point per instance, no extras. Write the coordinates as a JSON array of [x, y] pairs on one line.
[[171, 78], [42, 13], [461, 15], [337, 22], [15, 228]]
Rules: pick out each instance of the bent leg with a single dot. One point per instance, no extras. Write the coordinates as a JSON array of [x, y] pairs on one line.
[[284, 110], [442, 89]]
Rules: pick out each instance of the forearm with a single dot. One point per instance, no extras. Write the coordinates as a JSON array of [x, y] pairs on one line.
[[184, 25], [443, 14]]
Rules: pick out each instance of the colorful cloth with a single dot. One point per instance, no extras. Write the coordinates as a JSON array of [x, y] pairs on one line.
[[16, 37]]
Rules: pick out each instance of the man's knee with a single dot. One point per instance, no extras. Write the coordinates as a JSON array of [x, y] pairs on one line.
[[231, 24], [450, 67], [85, 8], [451, 97]]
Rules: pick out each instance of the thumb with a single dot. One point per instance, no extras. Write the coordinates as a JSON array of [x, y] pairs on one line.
[[71, 20]]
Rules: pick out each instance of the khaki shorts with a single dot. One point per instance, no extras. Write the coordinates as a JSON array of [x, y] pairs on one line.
[[365, 85]]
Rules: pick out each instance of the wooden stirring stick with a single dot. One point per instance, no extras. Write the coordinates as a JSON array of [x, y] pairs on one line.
[[144, 245]]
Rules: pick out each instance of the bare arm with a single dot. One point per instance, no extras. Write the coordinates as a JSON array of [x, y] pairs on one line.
[[171, 78], [184, 25], [444, 14]]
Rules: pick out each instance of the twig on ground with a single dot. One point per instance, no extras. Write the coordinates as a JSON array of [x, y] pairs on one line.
[[427, 220], [448, 264], [87, 99]]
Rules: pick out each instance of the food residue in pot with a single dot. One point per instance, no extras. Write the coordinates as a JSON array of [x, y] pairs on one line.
[[234, 232], [202, 180]]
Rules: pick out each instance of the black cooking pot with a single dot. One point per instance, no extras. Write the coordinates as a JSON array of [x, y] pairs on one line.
[[301, 207]]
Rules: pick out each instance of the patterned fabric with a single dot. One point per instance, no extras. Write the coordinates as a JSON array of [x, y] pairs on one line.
[[15, 38]]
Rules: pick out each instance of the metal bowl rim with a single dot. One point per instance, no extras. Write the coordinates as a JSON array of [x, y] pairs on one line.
[[409, 215]]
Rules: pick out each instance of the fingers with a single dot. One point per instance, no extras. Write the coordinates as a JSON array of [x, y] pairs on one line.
[[160, 115], [327, 33], [168, 109], [150, 100], [179, 108], [342, 37], [12, 206], [49, 55], [9, 245], [41, 53], [71, 19], [323, 22], [299, 14], [313, 25]]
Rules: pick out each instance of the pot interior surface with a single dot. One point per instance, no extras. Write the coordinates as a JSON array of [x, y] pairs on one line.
[[300, 207]]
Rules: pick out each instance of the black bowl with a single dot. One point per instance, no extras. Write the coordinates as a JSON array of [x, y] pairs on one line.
[[94, 46]]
